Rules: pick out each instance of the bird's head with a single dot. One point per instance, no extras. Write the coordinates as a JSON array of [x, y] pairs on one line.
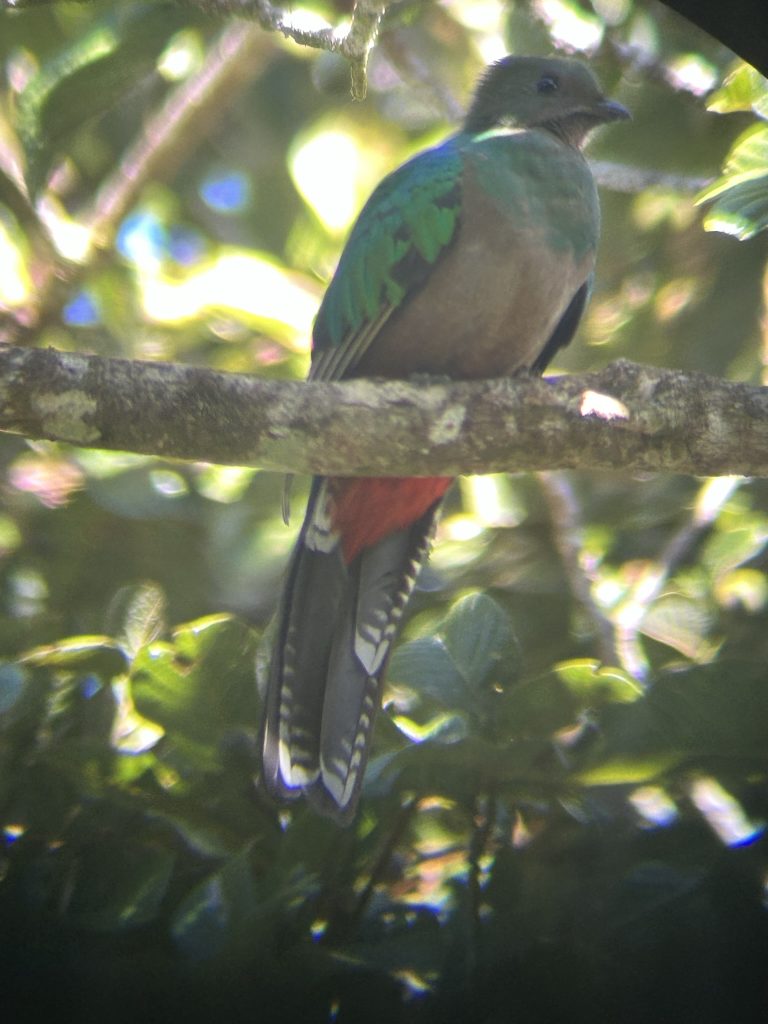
[[560, 95]]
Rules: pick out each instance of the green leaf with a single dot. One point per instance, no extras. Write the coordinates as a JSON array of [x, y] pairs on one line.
[[26, 706], [746, 161], [537, 707], [543, 705], [11, 687], [86, 79], [634, 747], [462, 770], [82, 654], [727, 549], [741, 192], [701, 716], [119, 884], [231, 909], [743, 89], [138, 612], [426, 665], [216, 909], [683, 623], [742, 211], [594, 685], [447, 727], [478, 635], [13, 195], [201, 683], [472, 651], [745, 587], [65, 694]]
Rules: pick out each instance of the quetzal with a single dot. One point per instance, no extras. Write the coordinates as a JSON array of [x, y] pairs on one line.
[[472, 260]]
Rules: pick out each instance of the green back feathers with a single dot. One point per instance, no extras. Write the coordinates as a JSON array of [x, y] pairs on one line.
[[400, 233], [410, 220]]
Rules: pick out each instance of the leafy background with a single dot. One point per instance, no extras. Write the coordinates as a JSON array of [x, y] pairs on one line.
[[565, 810]]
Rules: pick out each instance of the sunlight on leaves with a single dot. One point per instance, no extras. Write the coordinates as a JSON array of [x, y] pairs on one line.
[[137, 615], [742, 588], [683, 623], [690, 71], [243, 282], [724, 815], [182, 56], [741, 193], [81, 654], [597, 684], [485, 18], [654, 805], [171, 682], [490, 501], [570, 24], [85, 79], [326, 168], [743, 89], [15, 283], [224, 484]]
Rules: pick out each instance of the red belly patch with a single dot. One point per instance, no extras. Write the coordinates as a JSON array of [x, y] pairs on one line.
[[367, 509]]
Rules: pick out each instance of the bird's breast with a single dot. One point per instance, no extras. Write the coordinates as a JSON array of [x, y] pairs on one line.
[[496, 294]]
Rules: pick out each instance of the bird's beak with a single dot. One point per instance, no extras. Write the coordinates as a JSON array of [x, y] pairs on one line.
[[610, 110]]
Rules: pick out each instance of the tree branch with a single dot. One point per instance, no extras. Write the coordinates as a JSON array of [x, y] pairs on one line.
[[625, 417], [354, 44]]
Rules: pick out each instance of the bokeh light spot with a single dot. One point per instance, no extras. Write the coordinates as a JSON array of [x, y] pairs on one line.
[[14, 281], [326, 169], [142, 239], [570, 25], [237, 280], [82, 311], [226, 193]]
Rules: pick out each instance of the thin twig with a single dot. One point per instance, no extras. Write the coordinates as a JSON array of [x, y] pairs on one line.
[[384, 858], [568, 535], [483, 822], [623, 178], [414, 70]]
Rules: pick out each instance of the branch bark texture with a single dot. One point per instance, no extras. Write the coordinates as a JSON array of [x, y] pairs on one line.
[[626, 417]]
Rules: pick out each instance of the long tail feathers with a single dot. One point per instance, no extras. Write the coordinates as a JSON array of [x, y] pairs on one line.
[[336, 624]]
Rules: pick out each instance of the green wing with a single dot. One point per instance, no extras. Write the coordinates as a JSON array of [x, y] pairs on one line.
[[402, 230]]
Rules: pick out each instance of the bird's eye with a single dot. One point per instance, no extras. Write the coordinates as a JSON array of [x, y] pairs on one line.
[[547, 84]]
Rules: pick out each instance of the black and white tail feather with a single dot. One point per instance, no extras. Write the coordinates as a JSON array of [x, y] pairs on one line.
[[335, 628]]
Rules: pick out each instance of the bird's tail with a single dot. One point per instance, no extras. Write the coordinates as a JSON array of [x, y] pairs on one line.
[[349, 579]]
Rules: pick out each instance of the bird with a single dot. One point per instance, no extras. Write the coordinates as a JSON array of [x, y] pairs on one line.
[[473, 260]]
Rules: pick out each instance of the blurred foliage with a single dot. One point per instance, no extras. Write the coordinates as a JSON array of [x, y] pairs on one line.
[[542, 832]]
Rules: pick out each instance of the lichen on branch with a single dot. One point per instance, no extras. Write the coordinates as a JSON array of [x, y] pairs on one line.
[[625, 417]]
